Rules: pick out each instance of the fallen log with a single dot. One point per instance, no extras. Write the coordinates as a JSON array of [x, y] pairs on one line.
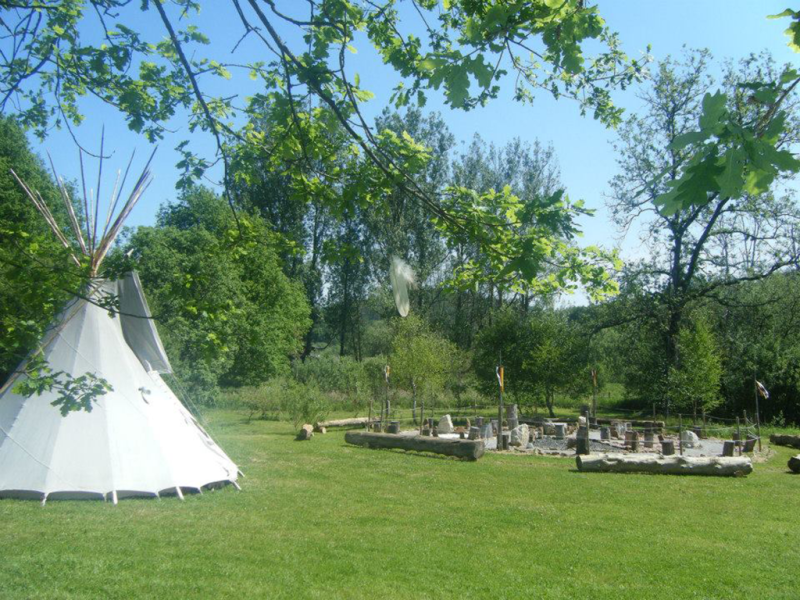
[[467, 449], [793, 441], [669, 465], [354, 422]]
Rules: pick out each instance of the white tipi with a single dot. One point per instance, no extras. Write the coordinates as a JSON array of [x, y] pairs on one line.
[[138, 439]]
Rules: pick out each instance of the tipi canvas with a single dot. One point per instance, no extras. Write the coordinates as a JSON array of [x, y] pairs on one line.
[[138, 439]]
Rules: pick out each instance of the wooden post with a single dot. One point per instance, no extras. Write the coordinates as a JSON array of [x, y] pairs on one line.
[[654, 413], [738, 436], [369, 422], [386, 370], [414, 388], [500, 374], [594, 396], [705, 425], [758, 416], [588, 447], [680, 433]]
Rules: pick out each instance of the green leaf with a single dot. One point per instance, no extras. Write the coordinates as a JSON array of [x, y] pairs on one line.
[[691, 137], [713, 110], [731, 181]]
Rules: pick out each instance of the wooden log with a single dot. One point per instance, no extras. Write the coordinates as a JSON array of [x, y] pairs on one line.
[[669, 465], [667, 447], [728, 447], [582, 443], [467, 449], [793, 441], [306, 432], [794, 463], [355, 422]]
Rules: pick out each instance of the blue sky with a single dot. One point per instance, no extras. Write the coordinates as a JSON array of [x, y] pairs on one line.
[[729, 28]]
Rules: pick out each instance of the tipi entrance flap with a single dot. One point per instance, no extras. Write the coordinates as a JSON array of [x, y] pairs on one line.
[[138, 326]]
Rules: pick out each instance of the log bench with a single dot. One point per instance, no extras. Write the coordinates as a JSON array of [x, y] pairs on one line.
[[465, 449], [669, 465]]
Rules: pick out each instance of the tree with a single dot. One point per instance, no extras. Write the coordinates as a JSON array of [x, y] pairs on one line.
[[543, 353], [421, 361], [33, 283], [466, 49], [697, 378], [710, 202], [227, 312]]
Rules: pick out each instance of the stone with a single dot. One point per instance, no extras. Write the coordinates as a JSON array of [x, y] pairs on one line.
[[306, 432], [689, 439], [667, 447], [487, 432], [549, 428], [620, 429], [560, 430], [605, 433], [474, 433], [520, 435], [506, 439], [478, 422], [426, 431], [529, 446], [581, 422], [394, 427], [649, 438], [794, 463], [632, 440], [435, 432], [445, 425]]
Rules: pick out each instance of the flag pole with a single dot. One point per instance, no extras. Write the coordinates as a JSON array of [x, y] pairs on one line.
[[500, 405]]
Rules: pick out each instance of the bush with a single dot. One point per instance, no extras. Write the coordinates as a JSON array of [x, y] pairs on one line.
[[282, 398]]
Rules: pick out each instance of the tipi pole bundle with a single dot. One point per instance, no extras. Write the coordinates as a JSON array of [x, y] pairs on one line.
[[90, 246]]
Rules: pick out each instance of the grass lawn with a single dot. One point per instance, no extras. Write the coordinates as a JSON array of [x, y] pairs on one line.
[[320, 519]]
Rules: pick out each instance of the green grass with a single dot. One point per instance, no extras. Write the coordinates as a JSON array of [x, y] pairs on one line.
[[320, 519]]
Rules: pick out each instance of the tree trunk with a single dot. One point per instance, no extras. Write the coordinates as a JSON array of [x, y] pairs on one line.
[[669, 465], [548, 400], [467, 449]]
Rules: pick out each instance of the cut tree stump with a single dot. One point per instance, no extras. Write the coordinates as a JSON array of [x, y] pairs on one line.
[[793, 441], [794, 463], [355, 422], [728, 447], [306, 432], [667, 447], [467, 449], [669, 465]]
